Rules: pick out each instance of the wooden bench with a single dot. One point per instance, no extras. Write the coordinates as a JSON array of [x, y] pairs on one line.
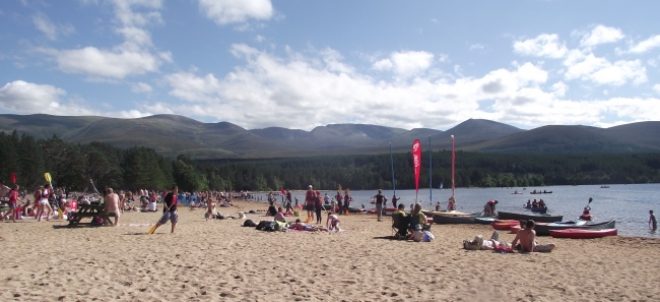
[[91, 211]]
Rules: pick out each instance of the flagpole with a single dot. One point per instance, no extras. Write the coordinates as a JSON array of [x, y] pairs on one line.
[[430, 173], [392, 164], [453, 168]]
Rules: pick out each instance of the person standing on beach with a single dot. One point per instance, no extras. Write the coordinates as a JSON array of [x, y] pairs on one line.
[[111, 200], [340, 203], [380, 199], [394, 201], [347, 202], [288, 206], [653, 224], [13, 203], [44, 194], [310, 203], [169, 209], [318, 206]]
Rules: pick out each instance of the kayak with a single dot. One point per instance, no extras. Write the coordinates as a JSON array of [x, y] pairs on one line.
[[514, 229], [520, 216], [544, 230], [505, 225], [583, 233]]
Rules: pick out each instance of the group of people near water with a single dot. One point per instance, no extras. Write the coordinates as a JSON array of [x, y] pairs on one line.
[[525, 242], [536, 204]]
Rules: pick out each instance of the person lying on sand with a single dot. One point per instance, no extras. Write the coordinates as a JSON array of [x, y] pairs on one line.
[[300, 226], [480, 244]]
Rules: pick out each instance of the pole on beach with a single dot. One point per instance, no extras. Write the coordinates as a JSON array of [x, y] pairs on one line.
[[430, 173], [392, 164], [453, 168]]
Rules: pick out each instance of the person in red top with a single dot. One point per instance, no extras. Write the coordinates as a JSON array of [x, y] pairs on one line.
[[489, 208], [318, 206], [13, 199], [310, 202], [169, 209]]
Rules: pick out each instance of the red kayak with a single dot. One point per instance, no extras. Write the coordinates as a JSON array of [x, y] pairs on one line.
[[582, 233], [504, 225]]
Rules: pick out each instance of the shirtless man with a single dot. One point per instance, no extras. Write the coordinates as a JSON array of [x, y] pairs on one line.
[[527, 239], [111, 200]]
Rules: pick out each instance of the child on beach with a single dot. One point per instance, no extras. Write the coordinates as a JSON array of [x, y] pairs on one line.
[[653, 224], [210, 210]]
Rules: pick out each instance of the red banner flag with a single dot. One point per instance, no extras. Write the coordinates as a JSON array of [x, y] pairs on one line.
[[417, 161], [13, 177]]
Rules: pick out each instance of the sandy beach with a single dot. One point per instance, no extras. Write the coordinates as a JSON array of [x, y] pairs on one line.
[[220, 261]]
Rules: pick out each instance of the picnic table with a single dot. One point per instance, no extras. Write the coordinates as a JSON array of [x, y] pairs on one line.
[[91, 211]]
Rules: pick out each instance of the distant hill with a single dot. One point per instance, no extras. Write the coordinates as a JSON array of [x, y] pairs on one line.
[[172, 135]]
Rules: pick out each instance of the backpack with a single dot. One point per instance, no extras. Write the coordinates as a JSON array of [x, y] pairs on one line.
[[249, 223], [262, 225]]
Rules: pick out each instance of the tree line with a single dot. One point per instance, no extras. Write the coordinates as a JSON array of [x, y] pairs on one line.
[[73, 165]]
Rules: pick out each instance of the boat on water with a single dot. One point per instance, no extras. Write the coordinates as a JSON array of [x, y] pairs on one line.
[[539, 210], [604, 187], [516, 192], [520, 216], [545, 229], [583, 233], [540, 192]]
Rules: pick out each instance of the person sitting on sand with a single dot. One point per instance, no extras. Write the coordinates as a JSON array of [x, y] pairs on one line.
[[279, 216], [527, 239], [271, 210], [418, 218]]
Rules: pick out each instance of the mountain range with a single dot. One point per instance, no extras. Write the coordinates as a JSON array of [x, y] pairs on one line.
[[171, 135]]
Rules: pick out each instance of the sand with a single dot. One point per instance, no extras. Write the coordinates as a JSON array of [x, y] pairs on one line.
[[221, 261]]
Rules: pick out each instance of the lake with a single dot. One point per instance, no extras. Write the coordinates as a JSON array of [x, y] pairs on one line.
[[629, 205]]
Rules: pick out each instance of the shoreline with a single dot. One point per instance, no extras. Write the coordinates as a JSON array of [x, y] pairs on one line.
[[219, 260]]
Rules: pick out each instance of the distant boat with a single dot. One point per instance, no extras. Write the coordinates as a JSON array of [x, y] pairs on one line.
[[604, 187]]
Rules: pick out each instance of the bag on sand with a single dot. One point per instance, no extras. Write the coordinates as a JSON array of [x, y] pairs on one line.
[[249, 223]]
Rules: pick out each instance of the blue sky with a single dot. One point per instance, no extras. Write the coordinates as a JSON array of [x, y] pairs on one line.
[[302, 63]]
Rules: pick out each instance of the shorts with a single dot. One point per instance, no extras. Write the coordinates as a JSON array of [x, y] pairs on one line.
[[310, 208], [43, 201], [12, 205], [171, 216], [379, 208]]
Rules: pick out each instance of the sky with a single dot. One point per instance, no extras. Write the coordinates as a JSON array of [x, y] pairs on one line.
[[304, 63]]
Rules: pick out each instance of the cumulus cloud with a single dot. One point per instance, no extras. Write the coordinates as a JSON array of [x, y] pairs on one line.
[[284, 88], [601, 34], [601, 71], [141, 87], [544, 45], [406, 63], [646, 45], [27, 98], [50, 29], [656, 88], [134, 56], [224, 12]]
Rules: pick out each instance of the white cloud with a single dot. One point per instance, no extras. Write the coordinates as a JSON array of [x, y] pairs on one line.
[[141, 87], [476, 47], [135, 56], [132, 114], [646, 45], [544, 45], [656, 88], [27, 98], [225, 12], [50, 29], [602, 72], [117, 63], [559, 89], [406, 63], [601, 34]]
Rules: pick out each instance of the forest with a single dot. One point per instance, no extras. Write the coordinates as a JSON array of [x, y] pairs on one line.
[[72, 166]]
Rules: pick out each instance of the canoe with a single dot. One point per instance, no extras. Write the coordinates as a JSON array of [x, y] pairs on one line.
[[583, 233], [544, 230], [484, 220], [520, 216], [539, 210], [453, 217]]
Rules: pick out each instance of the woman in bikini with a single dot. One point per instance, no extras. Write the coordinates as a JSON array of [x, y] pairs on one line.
[[43, 204]]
